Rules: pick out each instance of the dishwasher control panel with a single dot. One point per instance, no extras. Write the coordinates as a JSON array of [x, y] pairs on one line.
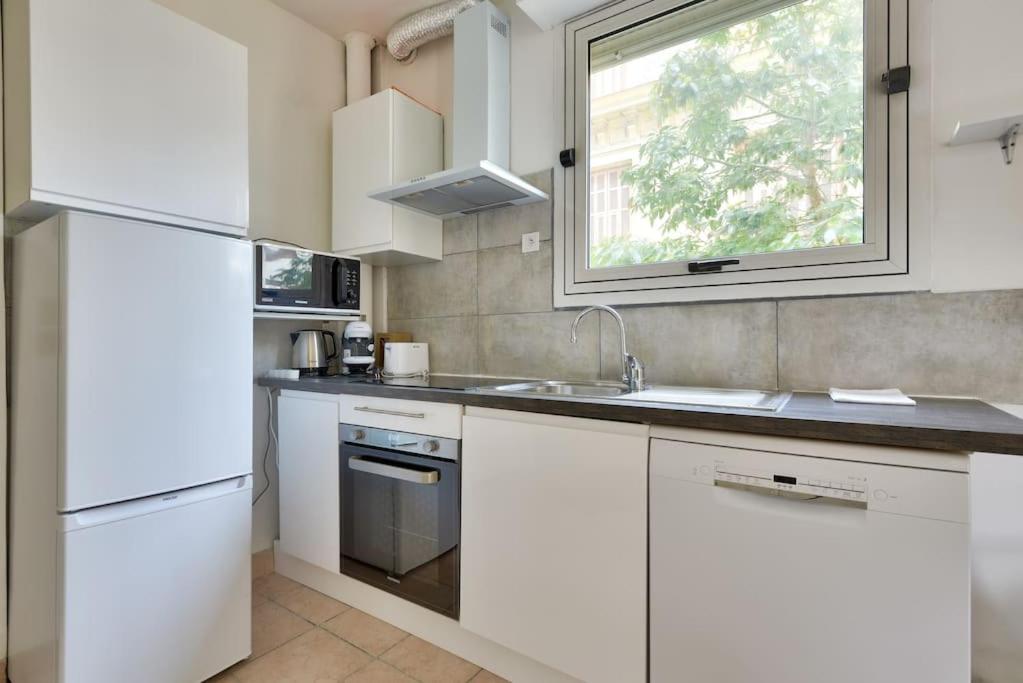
[[852, 488], [874, 487]]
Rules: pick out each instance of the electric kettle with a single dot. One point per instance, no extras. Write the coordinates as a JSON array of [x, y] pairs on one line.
[[309, 353]]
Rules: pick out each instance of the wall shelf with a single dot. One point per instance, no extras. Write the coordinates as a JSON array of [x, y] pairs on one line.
[[276, 315], [1003, 131]]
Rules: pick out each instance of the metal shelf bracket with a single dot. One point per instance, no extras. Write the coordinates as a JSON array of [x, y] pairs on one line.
[[1008, 142]]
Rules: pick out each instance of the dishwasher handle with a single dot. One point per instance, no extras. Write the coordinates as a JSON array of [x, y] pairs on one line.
[[774, 492], [409, 474], [763, 501]]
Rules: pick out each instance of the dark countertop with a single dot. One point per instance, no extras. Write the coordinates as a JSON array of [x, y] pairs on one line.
[[935, 423]]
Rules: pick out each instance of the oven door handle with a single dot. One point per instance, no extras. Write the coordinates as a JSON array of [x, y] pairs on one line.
[[393, 471]]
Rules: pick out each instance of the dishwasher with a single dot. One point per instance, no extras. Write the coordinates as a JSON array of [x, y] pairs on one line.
[[776, 567]]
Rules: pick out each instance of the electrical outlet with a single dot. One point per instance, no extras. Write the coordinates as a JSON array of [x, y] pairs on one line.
[[530, 242]]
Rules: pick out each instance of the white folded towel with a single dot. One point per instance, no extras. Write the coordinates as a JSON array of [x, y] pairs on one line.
[[887, 397]]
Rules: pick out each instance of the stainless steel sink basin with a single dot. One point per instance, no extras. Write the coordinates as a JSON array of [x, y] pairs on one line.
[[558, 388], [695, 396], [718, 398]]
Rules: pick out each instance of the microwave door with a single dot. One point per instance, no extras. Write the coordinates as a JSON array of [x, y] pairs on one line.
[[287, 277]]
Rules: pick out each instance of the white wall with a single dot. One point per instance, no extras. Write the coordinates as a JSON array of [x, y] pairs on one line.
[[295, 82], [978, 201]]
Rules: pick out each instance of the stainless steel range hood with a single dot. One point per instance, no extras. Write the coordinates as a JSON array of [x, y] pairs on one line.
[[461, 191], [478, 180]]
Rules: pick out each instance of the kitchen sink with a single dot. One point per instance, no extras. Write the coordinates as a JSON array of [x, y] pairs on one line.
[[718, 398], [559, 388], [696, 396]]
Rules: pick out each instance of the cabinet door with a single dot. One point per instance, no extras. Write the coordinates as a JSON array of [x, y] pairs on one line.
[[310, 503], [156, 359], [554, 540], [139, 112], [362, 163]]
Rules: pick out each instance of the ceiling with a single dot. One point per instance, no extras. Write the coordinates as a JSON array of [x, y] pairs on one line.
[[376, 17], [338, 17]]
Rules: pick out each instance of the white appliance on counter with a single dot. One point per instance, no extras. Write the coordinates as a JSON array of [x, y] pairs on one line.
[[406, 359], [131, 452], [828, 562]]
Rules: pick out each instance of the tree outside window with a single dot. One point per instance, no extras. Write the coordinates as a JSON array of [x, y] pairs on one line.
[[747, 139]]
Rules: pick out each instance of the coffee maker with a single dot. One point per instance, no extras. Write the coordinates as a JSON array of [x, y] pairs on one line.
[[357, 348]]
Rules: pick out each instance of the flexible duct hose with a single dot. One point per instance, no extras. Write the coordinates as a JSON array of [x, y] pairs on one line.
[[424, 26]]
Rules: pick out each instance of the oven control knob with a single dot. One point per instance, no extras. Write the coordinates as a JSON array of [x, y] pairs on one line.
[[431, 446], [358, 435]]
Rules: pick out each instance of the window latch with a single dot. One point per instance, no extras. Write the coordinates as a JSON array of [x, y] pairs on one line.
[[711, 266], [896, 80], [567, 157]]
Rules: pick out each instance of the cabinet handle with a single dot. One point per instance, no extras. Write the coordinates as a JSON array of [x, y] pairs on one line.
[[395, 413], [393, 471]]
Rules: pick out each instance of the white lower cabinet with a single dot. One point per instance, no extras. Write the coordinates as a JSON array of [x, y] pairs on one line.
[[554, 540], [310, 505]]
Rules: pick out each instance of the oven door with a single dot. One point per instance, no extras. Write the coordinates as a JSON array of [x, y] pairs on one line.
[[400, 524]]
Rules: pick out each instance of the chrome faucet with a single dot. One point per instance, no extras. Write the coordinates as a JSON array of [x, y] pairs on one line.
[[632, 368]]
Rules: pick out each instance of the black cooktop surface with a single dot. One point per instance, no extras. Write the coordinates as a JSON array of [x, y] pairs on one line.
[[453, 382]]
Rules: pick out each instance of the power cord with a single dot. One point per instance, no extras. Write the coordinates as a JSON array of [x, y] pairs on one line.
[[271, 440], [425, 374], [274, 240]]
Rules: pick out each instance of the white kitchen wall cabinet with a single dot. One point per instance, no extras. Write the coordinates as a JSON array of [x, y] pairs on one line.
[[124, 107], [554, 540], [310, 504], [379, 141]]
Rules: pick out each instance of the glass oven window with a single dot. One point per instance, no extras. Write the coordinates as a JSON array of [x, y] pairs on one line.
[[400, 524], [287, 269]]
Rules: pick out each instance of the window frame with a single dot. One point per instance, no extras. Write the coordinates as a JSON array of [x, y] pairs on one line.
[[883, 263]]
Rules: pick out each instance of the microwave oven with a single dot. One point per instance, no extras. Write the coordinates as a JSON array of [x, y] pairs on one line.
[[292, 279]]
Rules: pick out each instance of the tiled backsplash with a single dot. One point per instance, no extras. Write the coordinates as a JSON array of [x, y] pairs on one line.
[[487, 308]]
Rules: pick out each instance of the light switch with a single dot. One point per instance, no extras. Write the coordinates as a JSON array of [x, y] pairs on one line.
[[530, 242]]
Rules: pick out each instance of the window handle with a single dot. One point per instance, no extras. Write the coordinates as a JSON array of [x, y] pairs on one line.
[[711, 266]]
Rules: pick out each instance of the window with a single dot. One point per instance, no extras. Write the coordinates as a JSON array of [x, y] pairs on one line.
[[609, 205], [730, 143]]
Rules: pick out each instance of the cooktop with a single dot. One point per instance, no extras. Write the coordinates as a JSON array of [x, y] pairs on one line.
[[453, 382]]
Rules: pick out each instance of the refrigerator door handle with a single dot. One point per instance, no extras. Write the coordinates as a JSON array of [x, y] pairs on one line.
[[116, 512]]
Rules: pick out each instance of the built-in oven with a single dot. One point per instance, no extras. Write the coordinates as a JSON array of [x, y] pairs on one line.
[[400, 496], [289, 278]]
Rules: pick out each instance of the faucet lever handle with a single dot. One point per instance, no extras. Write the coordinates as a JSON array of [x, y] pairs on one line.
[[635, 375]]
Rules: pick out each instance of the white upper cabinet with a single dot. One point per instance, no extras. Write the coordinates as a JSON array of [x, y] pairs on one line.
[[380, 141], [127, 108]]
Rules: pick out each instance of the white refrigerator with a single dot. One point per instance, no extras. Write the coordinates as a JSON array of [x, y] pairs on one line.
[[131, 435]]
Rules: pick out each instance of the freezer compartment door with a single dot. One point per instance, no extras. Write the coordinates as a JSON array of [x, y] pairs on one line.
[[156, 355], [157, 590]]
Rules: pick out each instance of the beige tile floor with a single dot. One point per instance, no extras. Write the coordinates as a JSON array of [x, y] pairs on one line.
[[302, 636]]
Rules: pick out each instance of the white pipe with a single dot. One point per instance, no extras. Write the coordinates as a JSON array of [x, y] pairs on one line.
[[424, 26], [358, 46]]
